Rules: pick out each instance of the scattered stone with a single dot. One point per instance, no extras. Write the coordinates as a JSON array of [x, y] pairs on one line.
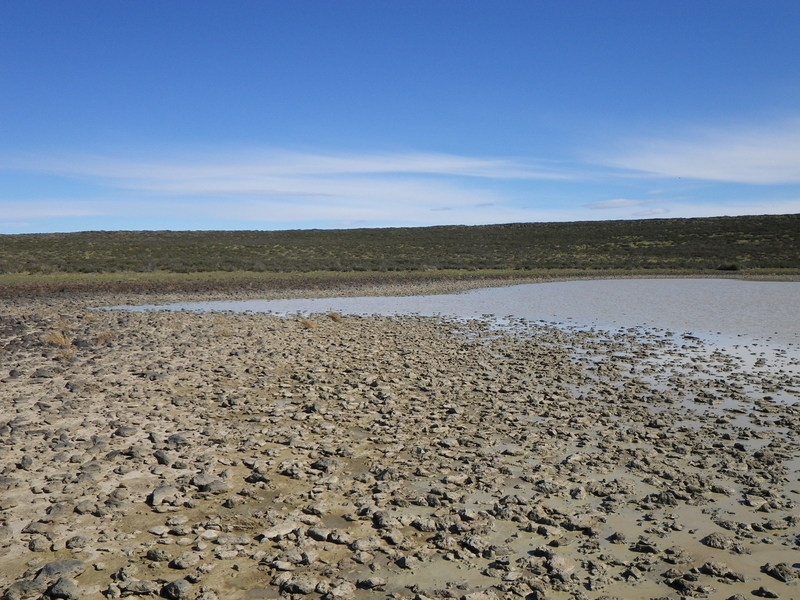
[[165, 494], [64, 588], [782, 572], [178, 589], [414, 452], [719, 541], [372, 583]]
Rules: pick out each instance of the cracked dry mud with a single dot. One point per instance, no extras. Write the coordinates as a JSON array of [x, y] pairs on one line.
[[206, 456]]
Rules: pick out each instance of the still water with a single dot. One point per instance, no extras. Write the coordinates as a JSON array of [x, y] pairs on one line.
[[722, 310]]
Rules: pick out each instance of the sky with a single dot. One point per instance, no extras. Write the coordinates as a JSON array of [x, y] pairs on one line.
[[276, 114]]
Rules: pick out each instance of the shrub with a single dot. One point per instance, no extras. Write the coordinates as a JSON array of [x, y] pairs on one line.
[[58, 338], [308, 323]]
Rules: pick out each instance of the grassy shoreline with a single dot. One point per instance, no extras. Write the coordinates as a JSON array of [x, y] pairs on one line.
[[324, 283]]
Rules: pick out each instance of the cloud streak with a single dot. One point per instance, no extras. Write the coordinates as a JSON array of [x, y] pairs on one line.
[[749, 155], [280, 187], [618, 203], [276, 189], [256, 169]]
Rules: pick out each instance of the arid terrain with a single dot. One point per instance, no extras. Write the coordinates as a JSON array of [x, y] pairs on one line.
[[245, 456]]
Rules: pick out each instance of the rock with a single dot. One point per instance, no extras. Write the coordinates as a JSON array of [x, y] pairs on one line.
[[280, 530], [76, 542], [372, 583], [140, 587], [319, 534], [25, 590], [718, 541], [53, 571], [326, 465], [408, 562], [782, 572], [300, 584], [157, 555], [64, 588], [164, 494], [6, 483], [206, 482], [185, 560], [644, 546], [125, 431], [164, 457], [485, 595], [342, 590], [39, 543], [617, 538], [178, 589], [177, 439]]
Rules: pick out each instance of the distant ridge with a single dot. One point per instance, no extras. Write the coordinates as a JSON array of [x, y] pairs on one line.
[[728, 243]]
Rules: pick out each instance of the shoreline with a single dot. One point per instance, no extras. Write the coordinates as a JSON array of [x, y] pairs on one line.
[[32, 288], [248, 456]]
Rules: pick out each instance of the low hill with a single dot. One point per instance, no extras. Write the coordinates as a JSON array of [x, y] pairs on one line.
[[749, 242]]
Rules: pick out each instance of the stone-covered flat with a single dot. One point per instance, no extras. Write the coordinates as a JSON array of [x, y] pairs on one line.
[[206, 456]]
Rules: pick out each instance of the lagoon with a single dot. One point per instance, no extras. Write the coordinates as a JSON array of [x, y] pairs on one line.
[[719, 309]]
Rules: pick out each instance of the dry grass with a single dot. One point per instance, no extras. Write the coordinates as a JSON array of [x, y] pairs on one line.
[[222, 326], [58, 338], [245, 523], [335, 317], [308, 323], [66, 355], [105, 337]]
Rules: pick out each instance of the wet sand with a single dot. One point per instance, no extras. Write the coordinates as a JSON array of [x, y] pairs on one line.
[[244, 456]]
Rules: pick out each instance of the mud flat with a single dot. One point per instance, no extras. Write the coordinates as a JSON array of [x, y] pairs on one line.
[[236, 455]]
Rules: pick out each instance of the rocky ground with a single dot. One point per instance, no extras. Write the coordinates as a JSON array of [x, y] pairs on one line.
[[205, 456]]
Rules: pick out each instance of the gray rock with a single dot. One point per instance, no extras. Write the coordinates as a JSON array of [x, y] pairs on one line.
[[164, 494], [157, 555], [53, 571], [782, 572], [280, 530], [39, 543], [718, 541], [164, 458], [64, 588], [300, 584], [343, 589], [141, 587], [185, 561], [23, 590], [372, 583], [206, 482], [76, 542], [177, 590]]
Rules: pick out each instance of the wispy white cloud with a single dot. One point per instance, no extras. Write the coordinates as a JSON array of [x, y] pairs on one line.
[[762, 155], [14, 225], [618, 203], [652, 212], [282, 189], [288, 186], [49, 209], [754, 206], [262, 169]]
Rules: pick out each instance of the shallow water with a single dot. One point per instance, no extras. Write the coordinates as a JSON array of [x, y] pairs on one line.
[[756, 323], [753, 310]]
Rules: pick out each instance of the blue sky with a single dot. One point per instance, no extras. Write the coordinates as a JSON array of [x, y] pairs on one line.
[[191, 114]]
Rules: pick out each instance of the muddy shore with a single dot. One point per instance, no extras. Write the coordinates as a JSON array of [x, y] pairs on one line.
[[206, 456]]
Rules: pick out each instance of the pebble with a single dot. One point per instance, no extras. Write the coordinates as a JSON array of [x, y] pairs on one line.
[[368, 454]]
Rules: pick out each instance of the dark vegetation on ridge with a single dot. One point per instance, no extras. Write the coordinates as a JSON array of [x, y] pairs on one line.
[[349, 260], [750, 242]]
